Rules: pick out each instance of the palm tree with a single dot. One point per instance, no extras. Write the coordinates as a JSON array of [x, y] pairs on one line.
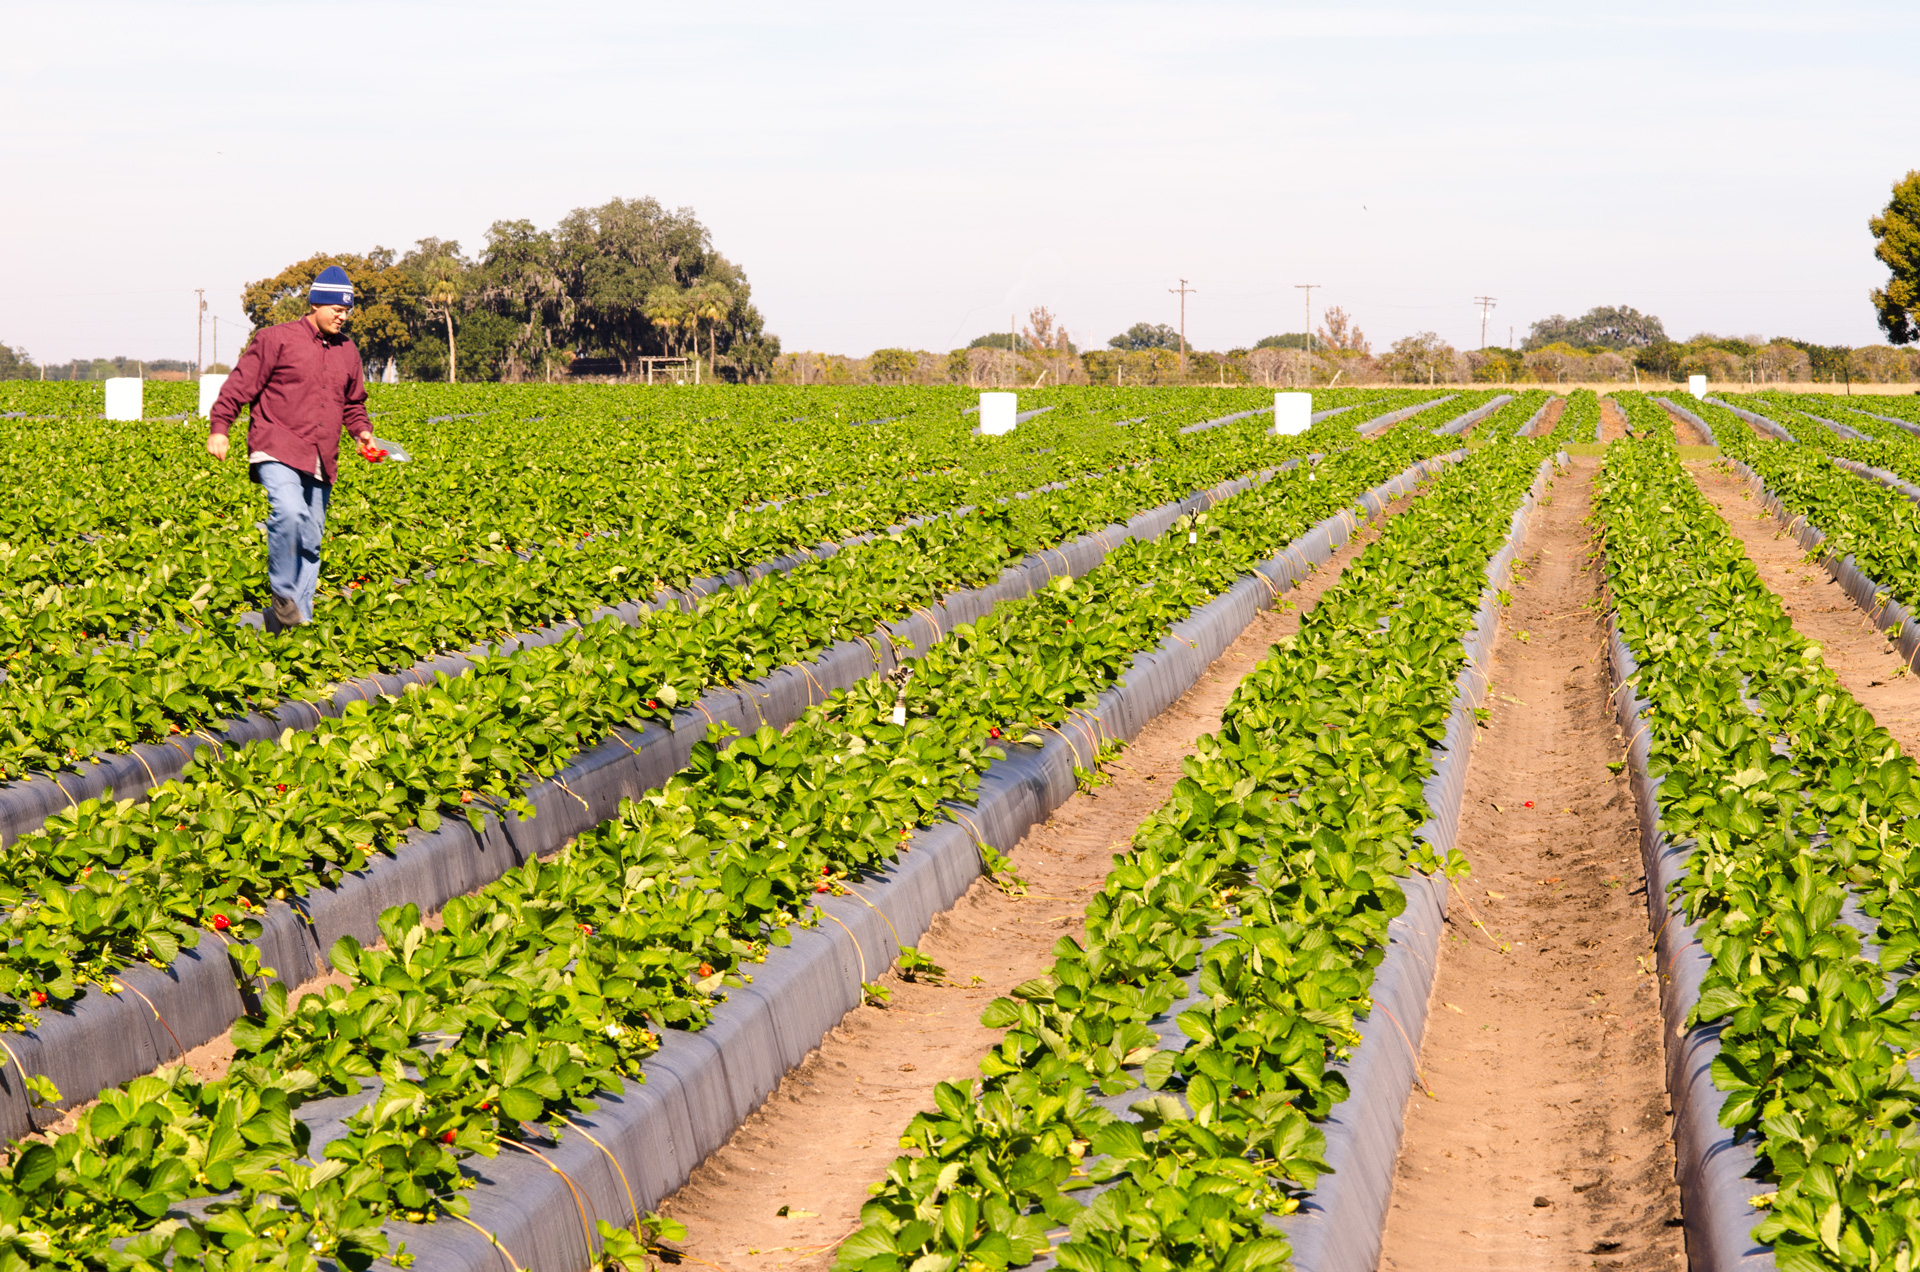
[[666, 307], [442, 286], [711, 302]]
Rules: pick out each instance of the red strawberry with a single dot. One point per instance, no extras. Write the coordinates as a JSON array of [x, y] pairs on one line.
[[651, 703], [706, 970], [485, 1107], [587, 928], [466, 797], [994, 732], [39, 998], [282, 788], [447, 1138], [821, 888], [220, 923], [1529, 803]]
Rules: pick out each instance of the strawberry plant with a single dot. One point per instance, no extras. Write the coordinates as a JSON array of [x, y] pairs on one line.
[[1794, 808], [133, 624], [551, 984], [1261, 893]]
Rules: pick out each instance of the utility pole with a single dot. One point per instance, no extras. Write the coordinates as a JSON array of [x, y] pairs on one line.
[[1182, 291], [1486, 303], [216, 337], [199, 332], [1308, 289]]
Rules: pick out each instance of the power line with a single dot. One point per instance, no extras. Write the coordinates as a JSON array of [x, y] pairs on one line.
[[1183, 289], [1486, 303]]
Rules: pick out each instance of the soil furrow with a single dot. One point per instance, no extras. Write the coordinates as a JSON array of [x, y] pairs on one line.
[[1865, 661], [1613, 420], [1546, 1142], [1556, 407], [833, 1126]]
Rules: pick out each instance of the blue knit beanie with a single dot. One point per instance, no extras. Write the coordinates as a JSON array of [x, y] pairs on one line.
[[333, 287]]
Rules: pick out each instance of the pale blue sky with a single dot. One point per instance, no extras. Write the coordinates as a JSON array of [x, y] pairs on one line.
[[909, 174]]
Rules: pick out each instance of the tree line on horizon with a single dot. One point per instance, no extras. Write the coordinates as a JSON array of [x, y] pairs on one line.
[[1613, 343], [611, 286]]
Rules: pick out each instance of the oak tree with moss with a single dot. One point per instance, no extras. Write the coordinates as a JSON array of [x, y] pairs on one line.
[[1898, 231]]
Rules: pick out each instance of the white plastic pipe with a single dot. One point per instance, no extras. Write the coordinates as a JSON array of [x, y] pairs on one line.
[[1292, 413], [209, 392], [123, 398], [1697, 385], [997, 411]]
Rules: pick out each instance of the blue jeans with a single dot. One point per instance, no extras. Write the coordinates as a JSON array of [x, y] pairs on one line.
[[294, 526]]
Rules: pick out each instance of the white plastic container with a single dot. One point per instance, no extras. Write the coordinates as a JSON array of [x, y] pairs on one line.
[[209, 392], [123, 398], [1292, 413], [1697, 385], [997, 411]]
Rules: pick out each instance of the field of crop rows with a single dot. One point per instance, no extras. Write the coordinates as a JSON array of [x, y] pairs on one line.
[[645, 738]]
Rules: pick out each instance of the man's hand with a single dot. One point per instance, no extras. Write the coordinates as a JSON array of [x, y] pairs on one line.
[[368, 451], [217, 445]]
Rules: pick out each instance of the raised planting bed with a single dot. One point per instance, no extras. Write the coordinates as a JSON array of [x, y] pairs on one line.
[[1774, 819], [557, 983], [1233, 958], [98, 1040]]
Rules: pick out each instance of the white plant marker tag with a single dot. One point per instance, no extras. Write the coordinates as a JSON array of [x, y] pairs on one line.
[[1193, 536], [996, 413], [123, 398], [209, 393], [1292, 413], [1697, 385], [899, 715]]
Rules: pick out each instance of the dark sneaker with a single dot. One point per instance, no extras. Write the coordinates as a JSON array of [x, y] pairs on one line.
[[284, 613]]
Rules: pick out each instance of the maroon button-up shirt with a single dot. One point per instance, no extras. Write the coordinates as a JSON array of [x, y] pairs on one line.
[[306, 388]]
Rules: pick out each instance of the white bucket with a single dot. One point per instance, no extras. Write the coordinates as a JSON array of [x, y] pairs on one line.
[[1292, 413], [123, 398], [209, 393], [997, 411], [1697, 385]]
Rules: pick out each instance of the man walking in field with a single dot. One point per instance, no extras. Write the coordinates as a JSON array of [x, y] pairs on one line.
[[306, 386]]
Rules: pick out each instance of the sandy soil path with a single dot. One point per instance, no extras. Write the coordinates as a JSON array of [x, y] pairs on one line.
[[1686, 432], [1613, 421], [1556, 407], [1547, 1143], [833, 1126]]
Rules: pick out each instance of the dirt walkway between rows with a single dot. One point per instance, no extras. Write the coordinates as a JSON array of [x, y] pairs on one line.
[[1613, 420], [1556, 407], [1864, 660], [1547, 1143], [1686, 432], [833, 1126]]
